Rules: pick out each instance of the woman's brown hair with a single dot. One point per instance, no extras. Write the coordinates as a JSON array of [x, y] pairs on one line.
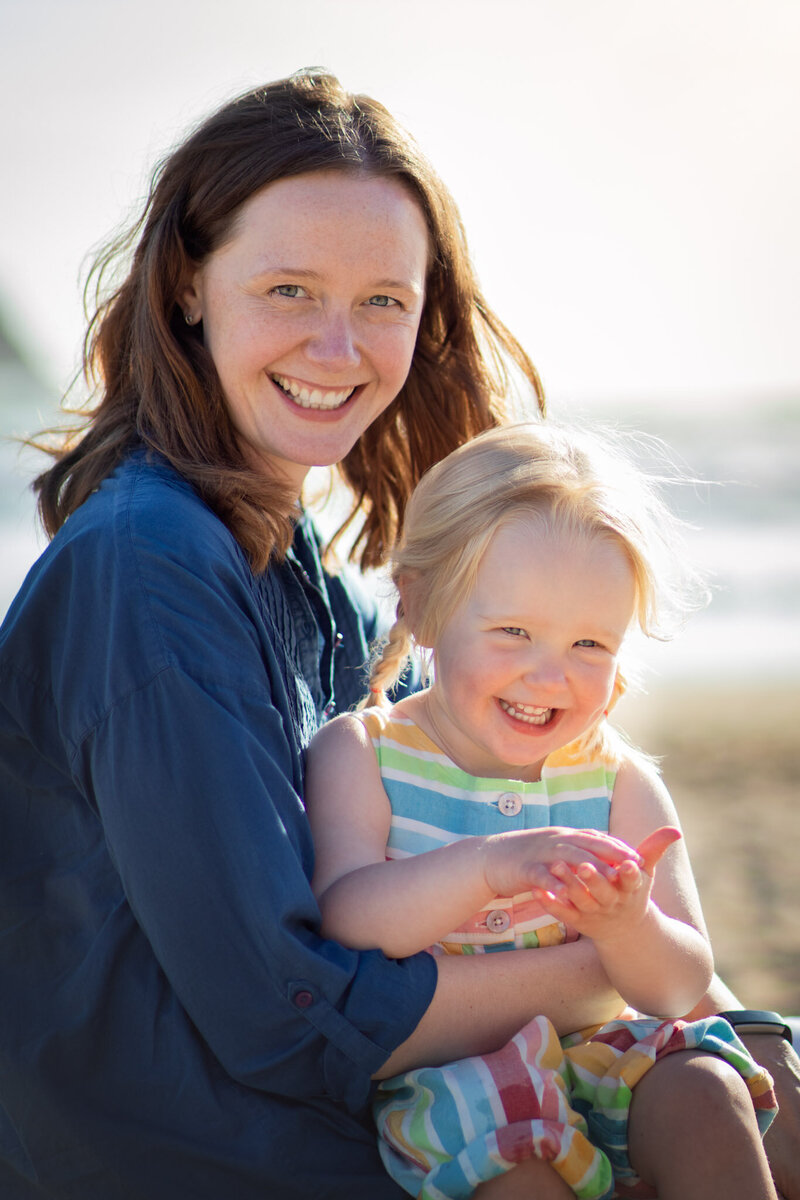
[[155, 384]]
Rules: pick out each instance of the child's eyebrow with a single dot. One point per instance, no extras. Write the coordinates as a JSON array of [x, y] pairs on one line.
[[501, 618]]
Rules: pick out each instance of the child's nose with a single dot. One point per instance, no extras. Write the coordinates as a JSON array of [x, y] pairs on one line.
[[545, 670]]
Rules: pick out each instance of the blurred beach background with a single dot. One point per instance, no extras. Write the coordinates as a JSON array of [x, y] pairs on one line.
[[628, 176]]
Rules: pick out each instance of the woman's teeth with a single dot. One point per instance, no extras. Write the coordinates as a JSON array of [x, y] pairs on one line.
[[312, 397], [529, 714]]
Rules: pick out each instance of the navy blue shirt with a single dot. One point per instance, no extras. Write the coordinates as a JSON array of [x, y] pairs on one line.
[[171, 1023]]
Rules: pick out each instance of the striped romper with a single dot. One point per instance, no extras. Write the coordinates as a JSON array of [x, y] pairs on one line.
[[444, 1130]]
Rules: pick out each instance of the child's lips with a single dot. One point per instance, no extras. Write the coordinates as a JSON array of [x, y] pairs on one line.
[[527, 714]]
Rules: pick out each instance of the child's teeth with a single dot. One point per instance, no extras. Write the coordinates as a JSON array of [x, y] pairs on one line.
[[530, 714]]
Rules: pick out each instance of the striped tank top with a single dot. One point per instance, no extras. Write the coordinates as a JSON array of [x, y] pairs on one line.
[[434, 803]]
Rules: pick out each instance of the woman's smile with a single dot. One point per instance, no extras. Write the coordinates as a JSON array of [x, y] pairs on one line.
[[310, 396]]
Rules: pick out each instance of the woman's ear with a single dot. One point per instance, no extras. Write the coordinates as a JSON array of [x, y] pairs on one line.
[[190, 299]]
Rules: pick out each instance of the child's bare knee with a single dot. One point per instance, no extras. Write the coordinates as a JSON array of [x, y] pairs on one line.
[[531, 1178], [687, 1098], [710, 1089]]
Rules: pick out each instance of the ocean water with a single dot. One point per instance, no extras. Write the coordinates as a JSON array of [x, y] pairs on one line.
[[745, 525]]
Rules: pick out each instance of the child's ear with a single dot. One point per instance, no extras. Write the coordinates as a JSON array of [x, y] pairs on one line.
[[618, 691], [408, 607]]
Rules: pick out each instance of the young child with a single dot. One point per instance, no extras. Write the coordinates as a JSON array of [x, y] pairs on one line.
[[498, 809]]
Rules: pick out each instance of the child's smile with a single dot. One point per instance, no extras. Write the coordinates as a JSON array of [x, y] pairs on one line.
[[529, 714]]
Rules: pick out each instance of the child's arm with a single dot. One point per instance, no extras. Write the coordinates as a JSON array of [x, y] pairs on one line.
[[407, 904], [647, 925]]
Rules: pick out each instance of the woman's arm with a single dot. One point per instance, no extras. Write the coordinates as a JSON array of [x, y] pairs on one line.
[[482, 1000], [404, 905], [174, 707], [782, 1140]]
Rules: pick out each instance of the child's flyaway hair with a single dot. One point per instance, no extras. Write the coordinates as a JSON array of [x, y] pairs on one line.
[[567, 484]]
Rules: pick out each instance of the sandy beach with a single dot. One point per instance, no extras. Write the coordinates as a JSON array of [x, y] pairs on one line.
[[731, 759]]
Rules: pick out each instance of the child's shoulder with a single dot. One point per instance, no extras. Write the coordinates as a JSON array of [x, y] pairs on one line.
[[338, 741], [365, 727]]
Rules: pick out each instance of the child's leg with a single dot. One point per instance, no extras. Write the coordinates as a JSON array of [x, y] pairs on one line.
[[532, 1178], [692, 1131]]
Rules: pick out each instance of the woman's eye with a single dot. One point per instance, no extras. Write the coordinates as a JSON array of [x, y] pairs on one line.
[[589, 642], [383, 301], [291, 290]]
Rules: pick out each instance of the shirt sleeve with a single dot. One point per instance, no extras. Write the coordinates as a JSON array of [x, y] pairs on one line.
[[189, 763], [201, 821]]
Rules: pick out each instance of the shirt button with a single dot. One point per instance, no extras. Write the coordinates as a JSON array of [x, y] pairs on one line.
[[510, 804], [498, 920], [303, 999]]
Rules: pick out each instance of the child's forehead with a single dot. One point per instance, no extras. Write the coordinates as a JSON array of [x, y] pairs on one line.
[[525, 556], [537, 533]]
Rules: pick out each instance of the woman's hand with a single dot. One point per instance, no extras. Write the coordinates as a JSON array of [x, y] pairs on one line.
[[782, 1139]]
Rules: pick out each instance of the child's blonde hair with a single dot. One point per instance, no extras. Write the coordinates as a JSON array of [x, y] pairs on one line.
[[570, 482]]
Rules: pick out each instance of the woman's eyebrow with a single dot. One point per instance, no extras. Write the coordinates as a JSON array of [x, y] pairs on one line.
[[400, 285], [279, 269], [265, 269]]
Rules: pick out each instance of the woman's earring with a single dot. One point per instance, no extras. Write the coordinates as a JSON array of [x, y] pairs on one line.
[[188, 318]]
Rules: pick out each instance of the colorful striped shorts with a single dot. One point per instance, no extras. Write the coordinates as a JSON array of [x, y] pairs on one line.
[[444, 1130]]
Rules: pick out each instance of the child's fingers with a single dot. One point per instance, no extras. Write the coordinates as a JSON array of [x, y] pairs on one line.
[[603, 849], [655, 844], [562, 910], [586, 887], [606, 893], [606, 855]]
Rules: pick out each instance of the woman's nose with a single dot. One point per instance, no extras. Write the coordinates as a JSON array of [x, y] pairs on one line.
[[333, 343]]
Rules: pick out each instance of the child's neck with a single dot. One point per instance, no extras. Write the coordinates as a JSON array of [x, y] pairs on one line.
[[420, 710]]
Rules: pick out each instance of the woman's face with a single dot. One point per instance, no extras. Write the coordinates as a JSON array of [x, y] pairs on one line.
[[310, 312]]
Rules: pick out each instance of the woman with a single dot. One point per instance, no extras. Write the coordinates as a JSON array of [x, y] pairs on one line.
[[172, 1024]]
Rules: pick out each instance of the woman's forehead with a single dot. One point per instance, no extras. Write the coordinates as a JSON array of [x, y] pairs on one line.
[[329, 213]]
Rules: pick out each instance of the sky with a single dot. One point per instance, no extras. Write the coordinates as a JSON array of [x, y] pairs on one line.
[[627, 170]]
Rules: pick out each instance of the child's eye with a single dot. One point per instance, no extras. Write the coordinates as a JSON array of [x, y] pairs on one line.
[[383, 302], [590, 642], [514, 630], [291, 290]]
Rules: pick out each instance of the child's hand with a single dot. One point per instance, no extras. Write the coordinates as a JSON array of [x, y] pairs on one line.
[[606, 905], [523, 860]]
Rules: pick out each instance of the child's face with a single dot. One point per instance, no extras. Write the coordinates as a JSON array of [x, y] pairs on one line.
[[528, 662]]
